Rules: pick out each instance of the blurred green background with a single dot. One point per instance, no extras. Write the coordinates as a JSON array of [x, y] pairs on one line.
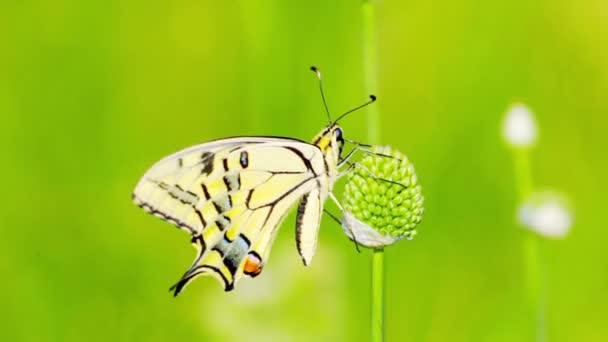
[[93, 92]]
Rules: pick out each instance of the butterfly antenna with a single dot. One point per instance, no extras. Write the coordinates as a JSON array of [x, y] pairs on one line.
[[372, 99], [318, 73]]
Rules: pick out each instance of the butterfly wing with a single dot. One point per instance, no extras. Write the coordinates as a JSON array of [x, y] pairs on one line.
[[231, 195]]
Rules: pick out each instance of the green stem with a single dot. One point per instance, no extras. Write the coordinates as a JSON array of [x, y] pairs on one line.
[[531, 249], [378, 295], [370, 65], [523, 172]]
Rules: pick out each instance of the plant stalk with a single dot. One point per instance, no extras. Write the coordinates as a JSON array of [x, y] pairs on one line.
[[531, 249], [370, 66], [378, 295]]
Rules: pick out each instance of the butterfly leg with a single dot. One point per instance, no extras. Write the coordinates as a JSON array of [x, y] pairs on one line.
[[332, 216], [355, 164], [333, 198], [345, 160], [344, 172], [348, 156], [365, 149], [357, 143]]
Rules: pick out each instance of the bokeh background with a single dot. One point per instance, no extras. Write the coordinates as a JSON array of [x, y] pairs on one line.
[[93, 92]]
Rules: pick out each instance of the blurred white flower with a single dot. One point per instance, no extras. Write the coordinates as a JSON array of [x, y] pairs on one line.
[[519, 127], [547, 214]]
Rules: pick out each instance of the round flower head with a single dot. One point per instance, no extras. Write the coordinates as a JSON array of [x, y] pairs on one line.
[[383, 201], [547, 214]]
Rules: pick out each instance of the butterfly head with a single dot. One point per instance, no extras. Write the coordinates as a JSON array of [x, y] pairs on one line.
[[330, 140]]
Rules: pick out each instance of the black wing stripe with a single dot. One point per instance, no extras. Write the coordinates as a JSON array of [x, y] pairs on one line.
[[205, 191], [305, 160], [153, 211], [299, 218], [177, 288]]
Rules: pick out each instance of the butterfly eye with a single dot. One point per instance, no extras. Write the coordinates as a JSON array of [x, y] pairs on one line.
[[338, 133], [339, 139]]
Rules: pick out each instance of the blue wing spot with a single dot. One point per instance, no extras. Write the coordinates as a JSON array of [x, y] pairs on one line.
[[244, 159]]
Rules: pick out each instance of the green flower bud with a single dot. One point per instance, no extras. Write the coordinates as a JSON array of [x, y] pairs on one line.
[[383, 201]]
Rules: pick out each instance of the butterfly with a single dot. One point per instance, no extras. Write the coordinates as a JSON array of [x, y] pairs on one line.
[[231, 195]]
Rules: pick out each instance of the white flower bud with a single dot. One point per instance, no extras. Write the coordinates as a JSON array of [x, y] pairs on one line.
[[519, 127], [364, 234], [547, 214]]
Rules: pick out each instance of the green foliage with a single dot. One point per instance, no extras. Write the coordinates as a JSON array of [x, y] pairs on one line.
[[93, 92]]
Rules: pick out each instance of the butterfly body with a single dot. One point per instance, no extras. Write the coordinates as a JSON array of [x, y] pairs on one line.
[[232, 195]]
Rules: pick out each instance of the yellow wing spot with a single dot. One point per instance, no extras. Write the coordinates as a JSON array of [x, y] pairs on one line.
[[239, 218], [209, 212], [216, 187]]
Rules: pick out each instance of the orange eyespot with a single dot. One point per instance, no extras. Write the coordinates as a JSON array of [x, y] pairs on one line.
[[253, 265]]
